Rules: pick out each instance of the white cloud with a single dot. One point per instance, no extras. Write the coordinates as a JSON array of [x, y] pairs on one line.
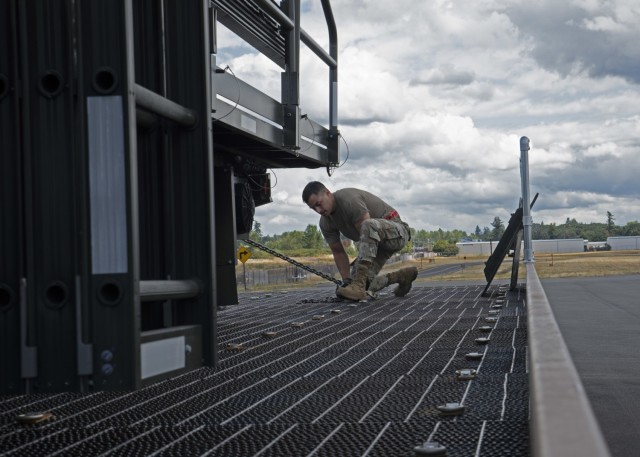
[[603, 24]]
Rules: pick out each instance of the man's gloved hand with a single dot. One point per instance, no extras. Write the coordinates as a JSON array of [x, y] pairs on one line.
[[343, 283]]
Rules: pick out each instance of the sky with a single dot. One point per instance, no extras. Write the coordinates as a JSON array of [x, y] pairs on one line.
[[434, 97]]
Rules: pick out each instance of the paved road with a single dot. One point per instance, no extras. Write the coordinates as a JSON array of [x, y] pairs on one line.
[[445, 269], [600, 321]]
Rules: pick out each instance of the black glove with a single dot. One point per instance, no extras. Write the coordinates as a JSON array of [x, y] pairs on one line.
[[343, 283]]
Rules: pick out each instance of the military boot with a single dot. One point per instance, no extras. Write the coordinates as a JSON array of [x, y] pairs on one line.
[[357, 289], [403, 277]]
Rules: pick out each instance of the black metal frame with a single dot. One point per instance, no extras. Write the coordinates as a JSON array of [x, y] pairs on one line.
[[118, 215]]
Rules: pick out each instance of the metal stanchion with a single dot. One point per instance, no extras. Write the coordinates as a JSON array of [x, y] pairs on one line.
[[526, 215]]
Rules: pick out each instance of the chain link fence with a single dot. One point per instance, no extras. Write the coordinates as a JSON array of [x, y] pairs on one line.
[[253, 277], [282, 275]]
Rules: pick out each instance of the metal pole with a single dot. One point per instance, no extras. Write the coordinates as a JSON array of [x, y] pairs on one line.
[[526, 209], [333, 83], [158, 290], [164, 107]]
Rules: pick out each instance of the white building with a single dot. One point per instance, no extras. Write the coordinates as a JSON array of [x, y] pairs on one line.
[[557, 246], [482, 248], [622, 243], [479, 248]]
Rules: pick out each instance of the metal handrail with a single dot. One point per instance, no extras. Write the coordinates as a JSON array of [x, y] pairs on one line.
[[331, 58], [284, 20]]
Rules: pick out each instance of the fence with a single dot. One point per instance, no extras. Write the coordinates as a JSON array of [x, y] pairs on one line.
[[282, 275], [294, 275]]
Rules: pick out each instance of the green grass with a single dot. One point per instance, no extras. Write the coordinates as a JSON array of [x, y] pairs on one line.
[[587, 264]]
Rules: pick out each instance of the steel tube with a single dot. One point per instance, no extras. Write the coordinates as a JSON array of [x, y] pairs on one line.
[[526, 208], [168, 290], [317, 49], [164, 107], [333, 83], [276, 13], [286, 22]]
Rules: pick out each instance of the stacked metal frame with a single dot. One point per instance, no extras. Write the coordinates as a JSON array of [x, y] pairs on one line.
[[119, 222], [107, 276]]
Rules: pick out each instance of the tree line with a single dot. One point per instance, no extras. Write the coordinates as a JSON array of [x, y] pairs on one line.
[[310, 242]]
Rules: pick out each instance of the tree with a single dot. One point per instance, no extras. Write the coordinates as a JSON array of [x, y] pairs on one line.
[[631, 229], [287, 241], [445, 247], [539, 231], [256, 233], [478, 232], [312, 238], [610, 224], [498, 229]]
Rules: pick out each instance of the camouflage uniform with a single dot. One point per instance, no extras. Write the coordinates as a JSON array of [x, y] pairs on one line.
[[380, 237]]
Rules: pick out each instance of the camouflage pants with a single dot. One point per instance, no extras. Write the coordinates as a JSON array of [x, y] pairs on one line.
[[379, 240]]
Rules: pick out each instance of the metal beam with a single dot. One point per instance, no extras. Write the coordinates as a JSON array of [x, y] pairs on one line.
[[164, 107], [168, 290]]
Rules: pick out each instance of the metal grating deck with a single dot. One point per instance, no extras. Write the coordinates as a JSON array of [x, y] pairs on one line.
[[353, 380]]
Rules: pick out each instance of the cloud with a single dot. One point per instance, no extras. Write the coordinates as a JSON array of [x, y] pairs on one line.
[[434, 97], [448, 75], [595, 37]]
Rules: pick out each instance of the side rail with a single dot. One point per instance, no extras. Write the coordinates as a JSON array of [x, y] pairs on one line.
[[275, 31], [562, 421]]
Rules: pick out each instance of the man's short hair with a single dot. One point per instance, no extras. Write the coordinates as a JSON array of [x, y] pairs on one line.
[[313, 187]]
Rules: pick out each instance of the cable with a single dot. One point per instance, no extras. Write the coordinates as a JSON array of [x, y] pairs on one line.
[[237, 102], [331, 169], [304, 116], [258, 185]]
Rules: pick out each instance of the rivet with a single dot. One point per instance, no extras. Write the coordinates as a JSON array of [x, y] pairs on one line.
[[474, 356], [33, 417], [106, 356], [451, 409], [430, 448], [466, 374], [236, 347]]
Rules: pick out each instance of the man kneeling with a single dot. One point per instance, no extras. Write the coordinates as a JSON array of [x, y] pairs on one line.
[[361, 216]]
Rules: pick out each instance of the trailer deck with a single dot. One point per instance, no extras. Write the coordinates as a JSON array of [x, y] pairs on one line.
[[303, 373]]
